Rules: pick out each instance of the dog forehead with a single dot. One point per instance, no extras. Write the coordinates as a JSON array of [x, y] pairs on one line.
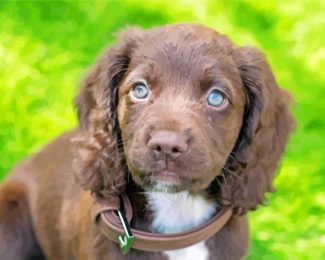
[[183, 58], [186, 50], [181, 46], [177, 65]]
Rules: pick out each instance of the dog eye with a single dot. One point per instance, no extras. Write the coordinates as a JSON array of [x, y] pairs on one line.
[[216, 98], [140, 91]]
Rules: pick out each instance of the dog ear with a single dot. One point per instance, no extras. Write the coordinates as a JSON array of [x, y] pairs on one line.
[[264, 134], [99, 159]]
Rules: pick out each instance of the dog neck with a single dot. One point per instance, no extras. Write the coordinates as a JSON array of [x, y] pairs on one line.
[[178, 212], [166, 213]]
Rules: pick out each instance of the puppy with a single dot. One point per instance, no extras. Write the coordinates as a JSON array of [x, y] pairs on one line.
[[179, 119]]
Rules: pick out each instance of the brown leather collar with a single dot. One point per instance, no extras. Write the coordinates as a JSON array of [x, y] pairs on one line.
[[104, 215]]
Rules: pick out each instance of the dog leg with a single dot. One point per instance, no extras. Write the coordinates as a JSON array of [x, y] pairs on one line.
[[17, 241]]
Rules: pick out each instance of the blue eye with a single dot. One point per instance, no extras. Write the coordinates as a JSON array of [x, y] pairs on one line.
[[140, 91], [216, 98]]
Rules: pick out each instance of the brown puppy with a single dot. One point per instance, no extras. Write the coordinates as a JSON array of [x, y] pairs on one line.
[[182, 120]]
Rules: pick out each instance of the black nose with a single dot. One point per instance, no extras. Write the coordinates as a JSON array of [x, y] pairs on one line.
[[167, 143]]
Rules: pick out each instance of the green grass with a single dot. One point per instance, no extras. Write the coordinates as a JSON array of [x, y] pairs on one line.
[[45, 47]]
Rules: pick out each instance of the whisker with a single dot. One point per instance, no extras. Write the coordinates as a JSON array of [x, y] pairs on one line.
[[226, 183], [232, 173]]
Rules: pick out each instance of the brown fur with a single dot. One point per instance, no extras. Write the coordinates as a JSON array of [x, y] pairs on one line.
[[233, 153]]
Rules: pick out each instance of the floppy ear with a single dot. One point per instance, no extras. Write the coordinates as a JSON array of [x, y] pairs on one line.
[[99, 153], [264, 134]]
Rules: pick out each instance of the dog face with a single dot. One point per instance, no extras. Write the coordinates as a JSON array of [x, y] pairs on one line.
[[181, 106], [180, 109]]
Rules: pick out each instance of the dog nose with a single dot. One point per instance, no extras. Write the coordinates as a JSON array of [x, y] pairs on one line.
[[167, 143]]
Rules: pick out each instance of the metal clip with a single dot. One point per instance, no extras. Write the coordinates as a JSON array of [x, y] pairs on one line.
[[125, 240]]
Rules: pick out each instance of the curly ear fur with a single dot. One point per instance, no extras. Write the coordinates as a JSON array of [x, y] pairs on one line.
[[265, 130], [99, 159]]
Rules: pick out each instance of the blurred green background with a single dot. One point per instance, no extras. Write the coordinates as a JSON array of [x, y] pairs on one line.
[[46, 46]]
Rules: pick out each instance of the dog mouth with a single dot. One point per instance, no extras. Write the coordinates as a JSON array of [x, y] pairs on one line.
[[166, 176], [165, 181]]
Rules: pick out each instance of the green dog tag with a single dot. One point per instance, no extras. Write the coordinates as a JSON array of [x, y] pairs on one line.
[[125, 240]]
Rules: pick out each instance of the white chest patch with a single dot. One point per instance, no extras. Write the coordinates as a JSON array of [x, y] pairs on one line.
[[177, 212]]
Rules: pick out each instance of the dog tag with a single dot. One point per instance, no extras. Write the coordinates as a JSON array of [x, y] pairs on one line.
[[125, 240]]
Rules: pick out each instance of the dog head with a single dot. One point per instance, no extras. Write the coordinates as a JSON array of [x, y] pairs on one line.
[[182, 108]]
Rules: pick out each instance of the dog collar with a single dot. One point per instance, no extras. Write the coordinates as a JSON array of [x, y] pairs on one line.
[[113, 217]]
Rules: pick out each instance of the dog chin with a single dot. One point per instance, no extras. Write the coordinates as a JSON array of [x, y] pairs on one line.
[[164, 186]]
